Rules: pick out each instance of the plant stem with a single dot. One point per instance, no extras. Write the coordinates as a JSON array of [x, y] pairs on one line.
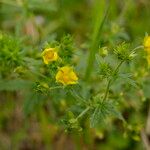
[[107, 90], [139, 47], [77, 96], [100, 18], [83, 113], [117, 68], [109, 82], [56, 87]]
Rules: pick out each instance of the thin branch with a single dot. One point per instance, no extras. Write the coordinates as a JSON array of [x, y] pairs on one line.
[[83, 113], [109, 82], [56, 87], [139, 47], [145, 140]]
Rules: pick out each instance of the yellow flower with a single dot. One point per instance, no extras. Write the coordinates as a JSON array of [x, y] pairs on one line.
[[66, 75], [49, 55], [147, 44]]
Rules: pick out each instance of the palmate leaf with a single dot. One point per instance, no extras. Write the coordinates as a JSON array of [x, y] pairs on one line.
[[78, 98], [127, 77], [97, 117], [104, 110]]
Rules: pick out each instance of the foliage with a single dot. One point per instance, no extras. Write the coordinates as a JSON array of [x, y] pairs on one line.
[[74, 74]]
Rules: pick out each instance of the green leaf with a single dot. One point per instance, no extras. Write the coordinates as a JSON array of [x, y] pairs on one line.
[[112, 106], [33, 102], [123, 52], [78, 98], [104, 110], [97, 117], [70, 123], [127, 78]]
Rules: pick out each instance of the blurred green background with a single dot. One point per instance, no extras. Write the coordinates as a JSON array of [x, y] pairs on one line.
[[28, 121]]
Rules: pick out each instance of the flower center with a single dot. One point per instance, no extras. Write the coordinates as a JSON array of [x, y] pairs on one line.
[[66, 78], [49, 55]]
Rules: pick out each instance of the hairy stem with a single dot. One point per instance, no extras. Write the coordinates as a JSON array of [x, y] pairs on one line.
[[139, 47], [56, 87], [117, 68], [109, 82], [107, 90], [75, 95], [83, 113]]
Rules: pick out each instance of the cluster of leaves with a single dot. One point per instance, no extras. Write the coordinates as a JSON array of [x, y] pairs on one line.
[[105, 70], [124, 52], [10, 56], [66, 49], [108, 92], [103, 110], [100, 108]]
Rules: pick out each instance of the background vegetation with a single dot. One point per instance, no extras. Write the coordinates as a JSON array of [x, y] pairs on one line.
[[35, 114]]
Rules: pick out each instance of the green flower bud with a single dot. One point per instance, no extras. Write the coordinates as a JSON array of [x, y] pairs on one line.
[[103, 51]]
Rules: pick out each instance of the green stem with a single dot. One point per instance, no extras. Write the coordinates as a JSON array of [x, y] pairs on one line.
[[109, 82], [117, 68], [100, 18], [77, 96], [107, 90], [139, 47], [83, 113], [56, 87]]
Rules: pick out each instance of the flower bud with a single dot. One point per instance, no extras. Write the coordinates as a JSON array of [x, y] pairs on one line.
[[103, 51]]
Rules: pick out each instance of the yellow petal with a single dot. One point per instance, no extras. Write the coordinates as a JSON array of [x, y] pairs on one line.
[[66, 75], [147, 44], [49, 55]]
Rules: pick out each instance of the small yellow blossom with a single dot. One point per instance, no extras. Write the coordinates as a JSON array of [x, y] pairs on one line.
[[66, 75], [147, 48], [49, 55], [147, 44]]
